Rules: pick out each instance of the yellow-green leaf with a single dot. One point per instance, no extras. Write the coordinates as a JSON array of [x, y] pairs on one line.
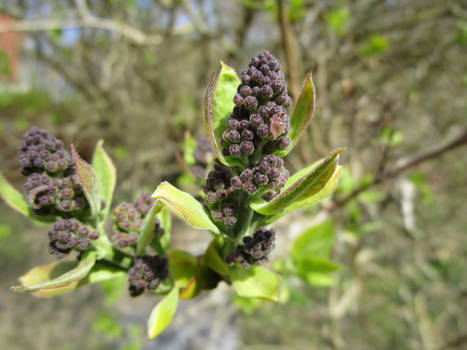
[[218, 105], [146, 233], [255, 282], [162, 314], [300, 186], [55, 276], [106, 175], [184, 206]]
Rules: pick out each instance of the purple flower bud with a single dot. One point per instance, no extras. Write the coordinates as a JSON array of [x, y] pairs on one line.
[[245, 78], [247, 135], [277, 86], [238, 100], [250, 103], [261, 179], [263, 111], [235, 151], [236, 182], [263, 131], [217, 215], [244, 125], [229, 221], [246, 175], [251, 187], [233, 123], [255, 120], [283, 142], [247, 147], [256, 91], [244, 90], [233, 136], [257, 77], [266, 91]]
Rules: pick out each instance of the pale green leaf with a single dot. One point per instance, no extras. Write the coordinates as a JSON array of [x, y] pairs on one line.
[[316, 242], [162, 314], [183, 267], [300, 186], [184, 206], [58, 276], [255, 282], [146, 233], [218, 105], [106, 175]]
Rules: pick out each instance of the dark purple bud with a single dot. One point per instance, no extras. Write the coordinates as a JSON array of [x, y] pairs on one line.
[[251, 187], [238, 100], [66, 205], [233, 123], [277, 86], [229, 221], [245, 77], [266, 91], [257, 77], [250, 103], [256, 91], [247, 135], [263, 111], [244, 124], [283, 142], [235, 151], [263, 131], [217, 215], [261, 179], [247, 147], [236, 182], [244, 90], [265, 69], [255, 120], [246, 175], [94, 235]]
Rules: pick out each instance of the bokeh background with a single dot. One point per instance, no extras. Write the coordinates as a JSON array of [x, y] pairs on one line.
[[391, 81]]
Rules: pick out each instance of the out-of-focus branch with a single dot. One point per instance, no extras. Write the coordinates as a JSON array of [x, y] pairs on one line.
[[402, 165], [87, 20], [290, 47]]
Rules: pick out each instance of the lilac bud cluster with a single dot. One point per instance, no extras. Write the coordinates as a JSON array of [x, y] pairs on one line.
[[254, 250], [48, 194], [259, 118], [204, 154], [41, 152], [53, 185], [66, 235], [220, 195], [269, 172], [128, 218], [147, 273]]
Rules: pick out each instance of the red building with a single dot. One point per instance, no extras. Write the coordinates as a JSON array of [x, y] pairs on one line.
[[10, 43]]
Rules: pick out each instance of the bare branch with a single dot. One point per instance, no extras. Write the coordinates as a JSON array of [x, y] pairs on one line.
[[404, 164], [130, 33]]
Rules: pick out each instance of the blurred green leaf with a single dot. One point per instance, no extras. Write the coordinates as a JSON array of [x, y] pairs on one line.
[[184, 206], [316, 242], [5, 231], [214, 261], [21, 124], [461, 35], [107, 324], [300, 186], [106, 176], [376, 45], [316, 271], [5, 68], [189, 148], [255, 282], [121, 152], [247, 305], [162, 314], [338, 20], [114, 288]]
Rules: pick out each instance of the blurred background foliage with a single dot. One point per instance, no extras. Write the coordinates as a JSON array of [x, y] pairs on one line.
[[381, 265]]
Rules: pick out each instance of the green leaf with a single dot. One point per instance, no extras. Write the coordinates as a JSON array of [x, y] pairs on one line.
[[255, 282], [12, 197], [302, 113], [106, 175], [146, 233], [55, 276], [300, 186], [325, 191], [316, 242], [189, 148], [214, 261], [15, 200], [218, 105], [317, 271], [166, 223], [162, 314], [184, 206], [183, 267], [88, 180], [41, 274]]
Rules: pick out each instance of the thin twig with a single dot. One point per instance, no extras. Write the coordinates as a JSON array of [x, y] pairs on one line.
[[402, 165]]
